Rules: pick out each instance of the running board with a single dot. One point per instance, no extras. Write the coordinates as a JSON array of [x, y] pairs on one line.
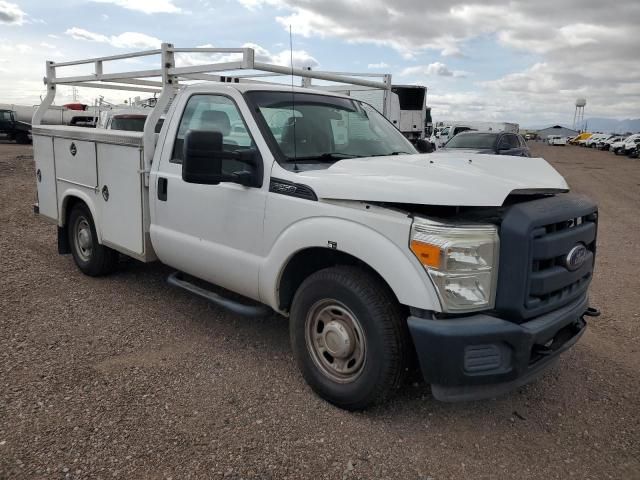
[[236, 307]]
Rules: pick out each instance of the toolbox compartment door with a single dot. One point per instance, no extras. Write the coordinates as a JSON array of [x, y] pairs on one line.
[[45, 176], [119, 196], [76, 162]]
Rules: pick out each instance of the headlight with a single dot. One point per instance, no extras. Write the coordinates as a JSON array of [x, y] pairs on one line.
[[461, 260]]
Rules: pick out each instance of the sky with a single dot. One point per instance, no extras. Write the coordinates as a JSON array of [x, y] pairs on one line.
[[516, 61]]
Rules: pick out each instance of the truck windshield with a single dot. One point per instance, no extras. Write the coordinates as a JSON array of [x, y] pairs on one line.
[[472, 140], [322, 128]]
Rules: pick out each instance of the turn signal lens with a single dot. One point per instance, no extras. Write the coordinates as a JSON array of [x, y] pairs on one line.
[[429, 255]]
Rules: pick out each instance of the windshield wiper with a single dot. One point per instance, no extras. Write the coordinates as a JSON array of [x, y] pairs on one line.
[[387, 154], [324, 157]]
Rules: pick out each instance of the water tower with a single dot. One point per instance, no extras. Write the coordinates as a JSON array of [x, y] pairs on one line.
[[578, 116]]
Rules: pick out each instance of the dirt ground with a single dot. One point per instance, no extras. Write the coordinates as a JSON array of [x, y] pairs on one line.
[[126, 377]]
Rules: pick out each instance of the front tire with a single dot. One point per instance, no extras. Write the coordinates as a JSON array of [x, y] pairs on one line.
[[90, 256], [349, 337]]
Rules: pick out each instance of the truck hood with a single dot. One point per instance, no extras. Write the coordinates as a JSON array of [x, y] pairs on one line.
[[450, 179]]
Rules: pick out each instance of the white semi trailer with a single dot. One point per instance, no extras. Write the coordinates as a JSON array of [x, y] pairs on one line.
[[54, 115]]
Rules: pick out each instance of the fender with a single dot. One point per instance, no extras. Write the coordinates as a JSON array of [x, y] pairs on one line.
[[89, 202], [404, 274]]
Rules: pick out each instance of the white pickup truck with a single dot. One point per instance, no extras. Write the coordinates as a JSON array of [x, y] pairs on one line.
[[476, 266]]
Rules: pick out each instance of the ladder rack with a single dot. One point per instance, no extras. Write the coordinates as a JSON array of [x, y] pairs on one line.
[[166, 79]]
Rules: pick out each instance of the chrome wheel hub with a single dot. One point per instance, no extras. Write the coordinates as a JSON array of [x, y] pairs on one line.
[[335, 341], [82, 238]]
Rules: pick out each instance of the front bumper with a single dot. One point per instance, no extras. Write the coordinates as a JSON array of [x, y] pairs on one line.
[[482, 356]]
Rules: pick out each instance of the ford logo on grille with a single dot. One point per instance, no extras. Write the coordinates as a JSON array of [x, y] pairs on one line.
[[576, 257]]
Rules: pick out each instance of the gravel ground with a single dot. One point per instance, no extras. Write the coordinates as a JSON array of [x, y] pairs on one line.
[[125, 377]]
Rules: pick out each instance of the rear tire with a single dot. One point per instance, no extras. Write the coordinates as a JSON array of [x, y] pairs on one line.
[[91, 257], [349, 337]]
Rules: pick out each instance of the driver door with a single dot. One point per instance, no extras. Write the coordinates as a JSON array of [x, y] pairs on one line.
[[213, 232]]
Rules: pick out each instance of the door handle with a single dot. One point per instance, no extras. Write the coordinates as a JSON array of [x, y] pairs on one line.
[[162, 189]]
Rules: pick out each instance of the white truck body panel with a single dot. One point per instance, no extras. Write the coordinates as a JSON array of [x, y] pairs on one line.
[[429, 179], [363, 231], [102, 159]]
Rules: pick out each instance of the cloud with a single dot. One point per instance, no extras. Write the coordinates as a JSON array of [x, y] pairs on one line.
[[11, 14], [145, 6], [301, 58], [575, 48], [378, 65], [433, 69], [124, 40]]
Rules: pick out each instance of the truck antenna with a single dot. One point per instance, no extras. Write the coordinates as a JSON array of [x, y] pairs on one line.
[[293, 104]]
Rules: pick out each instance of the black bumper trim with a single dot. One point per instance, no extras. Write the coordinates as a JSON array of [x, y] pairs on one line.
[[442, 347]]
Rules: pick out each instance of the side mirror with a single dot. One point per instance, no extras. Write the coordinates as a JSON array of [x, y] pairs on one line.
[[437, 134], [204, 161], [423, 146], [201, 157]]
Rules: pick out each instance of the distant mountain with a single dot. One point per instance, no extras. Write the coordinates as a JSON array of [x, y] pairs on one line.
[[607, 125]]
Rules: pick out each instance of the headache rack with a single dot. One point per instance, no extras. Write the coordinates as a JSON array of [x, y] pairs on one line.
[[165, 81]]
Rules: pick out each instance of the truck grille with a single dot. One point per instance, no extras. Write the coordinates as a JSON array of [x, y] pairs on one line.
[[547, 253]]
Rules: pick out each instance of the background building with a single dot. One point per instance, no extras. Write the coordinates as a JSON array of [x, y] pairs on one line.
[[557, 130]]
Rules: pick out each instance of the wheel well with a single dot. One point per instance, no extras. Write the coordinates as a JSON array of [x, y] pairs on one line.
[[308, 261], [67, 206], [63, 231]]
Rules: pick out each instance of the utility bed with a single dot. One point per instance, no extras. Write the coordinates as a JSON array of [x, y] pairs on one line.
[[105, 167]]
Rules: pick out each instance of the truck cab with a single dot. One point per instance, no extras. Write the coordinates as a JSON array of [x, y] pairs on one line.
[[313, 205], [12, 128]]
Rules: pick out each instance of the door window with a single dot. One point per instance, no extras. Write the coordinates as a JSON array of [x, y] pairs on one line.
[[509, 142], [5, 116], [215, 113]]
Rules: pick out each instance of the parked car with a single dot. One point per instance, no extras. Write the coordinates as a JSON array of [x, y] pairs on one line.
[[592, 141], [621, 147], [501, 143], [631, 148], [557, 140], [630, 143], [446, 132], [606, 145]]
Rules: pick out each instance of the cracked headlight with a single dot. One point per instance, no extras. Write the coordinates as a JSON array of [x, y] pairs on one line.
[[462, 261]]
